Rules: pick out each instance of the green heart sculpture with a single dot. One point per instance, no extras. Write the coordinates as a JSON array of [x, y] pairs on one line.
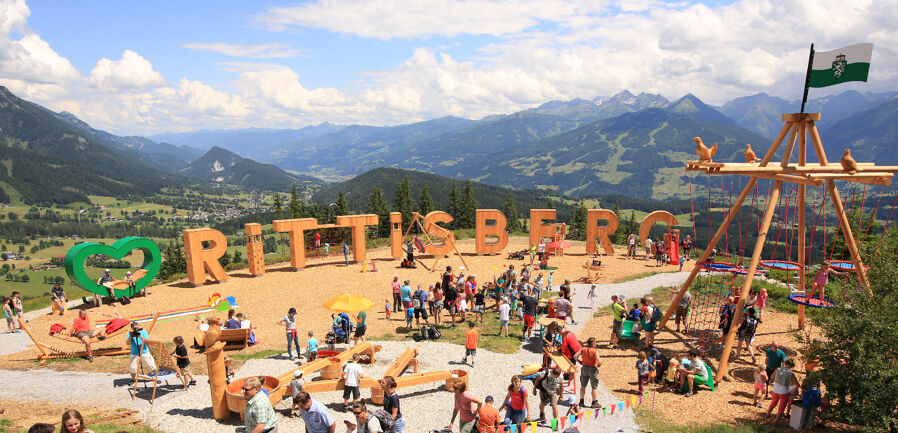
[[75, 258]]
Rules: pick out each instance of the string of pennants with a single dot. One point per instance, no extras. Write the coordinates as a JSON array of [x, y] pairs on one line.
[[559, 423]]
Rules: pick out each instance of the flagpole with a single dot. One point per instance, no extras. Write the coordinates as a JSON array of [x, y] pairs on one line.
[[807, 78]]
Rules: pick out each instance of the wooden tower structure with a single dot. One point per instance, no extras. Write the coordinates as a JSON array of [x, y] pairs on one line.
[[798, 126]]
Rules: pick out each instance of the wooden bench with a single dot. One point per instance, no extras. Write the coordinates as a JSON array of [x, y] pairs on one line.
[[235, 339]]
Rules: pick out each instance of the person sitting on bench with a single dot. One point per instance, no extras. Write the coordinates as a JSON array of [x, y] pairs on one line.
[[108, 282]]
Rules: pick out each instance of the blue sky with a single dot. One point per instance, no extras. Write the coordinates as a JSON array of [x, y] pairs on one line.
[[149, 67]]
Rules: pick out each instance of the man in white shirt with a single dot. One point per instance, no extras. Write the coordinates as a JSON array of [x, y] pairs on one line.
[[504, 309]]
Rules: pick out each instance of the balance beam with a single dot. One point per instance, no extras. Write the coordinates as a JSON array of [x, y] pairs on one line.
[[318, 364], [402, 362]]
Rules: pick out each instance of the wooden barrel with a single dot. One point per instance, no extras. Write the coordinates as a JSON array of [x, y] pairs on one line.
[[234, 393], [458, 376], [334, 370], [377, 395]]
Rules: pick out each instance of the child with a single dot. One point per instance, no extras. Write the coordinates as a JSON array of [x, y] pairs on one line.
[[642, 369], [387, 308], [180, 354], [760, 384], [592, 297], [762, 302], [295, 388], [634, 314], [574, 405], [670, 376], [312, 350], [409, 315], [228, 373], [471, 343], [130, 280]]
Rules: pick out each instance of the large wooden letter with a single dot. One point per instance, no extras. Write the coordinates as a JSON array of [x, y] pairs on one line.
[[658, 216], [537, 228], [496, 229], [396, 234], [431, 227], [594, 230], [199, 258], [295, 228], [255, 253], [358, 223]]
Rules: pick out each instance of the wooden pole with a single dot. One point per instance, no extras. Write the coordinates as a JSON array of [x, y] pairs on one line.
[[724, 225], [846, 233], [802, 273], [749, 277]]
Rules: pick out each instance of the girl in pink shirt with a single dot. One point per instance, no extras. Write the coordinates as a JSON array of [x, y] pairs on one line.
[[821, 279]]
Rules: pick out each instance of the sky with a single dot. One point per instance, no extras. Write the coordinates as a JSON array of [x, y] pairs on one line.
[[140, 68]]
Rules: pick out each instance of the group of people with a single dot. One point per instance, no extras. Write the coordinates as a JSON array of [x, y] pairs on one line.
[[12, 311], [72, 422]]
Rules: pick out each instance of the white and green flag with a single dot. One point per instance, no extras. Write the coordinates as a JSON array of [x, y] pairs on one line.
[[851, 63]]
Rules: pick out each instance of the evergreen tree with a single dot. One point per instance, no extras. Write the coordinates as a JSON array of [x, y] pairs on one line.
[[297, 207], [618, 236], [550, 204], [278, 204], [425, 205], [511, 214], [377, 205], [225, 259], [340, 206], [579, 222], [402, 201], [454, 204], [468, 212]]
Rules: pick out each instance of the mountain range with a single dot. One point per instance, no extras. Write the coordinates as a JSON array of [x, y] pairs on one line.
[[223, 166]]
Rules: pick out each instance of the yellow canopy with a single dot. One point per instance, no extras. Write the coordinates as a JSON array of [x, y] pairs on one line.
[[349, 304]]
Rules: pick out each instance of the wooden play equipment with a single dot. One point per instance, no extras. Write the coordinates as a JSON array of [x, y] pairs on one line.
[[560, 360], [484, 228], [48, 351], [255, 253], [458, 377], [201, 260], [235, 339], [431, 233], [166, 368], [797, 126], [590, 268]]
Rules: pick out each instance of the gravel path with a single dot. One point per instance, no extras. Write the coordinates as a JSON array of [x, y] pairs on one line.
[[425, 407]]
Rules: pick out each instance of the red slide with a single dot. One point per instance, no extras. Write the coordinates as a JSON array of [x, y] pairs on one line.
[[674, 249]]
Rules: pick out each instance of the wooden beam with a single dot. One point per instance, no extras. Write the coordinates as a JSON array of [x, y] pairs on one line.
[[787, 178], [795, 117], [401, 362], [818, 145], [749, 277], [846, 233], [421, 378], [787, 153]]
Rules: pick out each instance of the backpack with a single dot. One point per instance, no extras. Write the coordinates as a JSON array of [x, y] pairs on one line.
[[387, 423], [425, 333], [751, 325], [435, 333], [416, 299], [125, 300], [656, 314]]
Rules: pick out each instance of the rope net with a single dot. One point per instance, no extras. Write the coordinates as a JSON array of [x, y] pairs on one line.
[[710, 290], [326, 241]]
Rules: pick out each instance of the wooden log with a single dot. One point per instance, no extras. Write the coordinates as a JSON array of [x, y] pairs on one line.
[[749, 277], [786, 178], [818, 145], [421, 378], [787, 153], [320, 363], [401, 362], [795, 117]]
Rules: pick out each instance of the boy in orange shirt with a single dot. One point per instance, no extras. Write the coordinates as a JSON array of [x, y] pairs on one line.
[[489, 416], [471, 343]]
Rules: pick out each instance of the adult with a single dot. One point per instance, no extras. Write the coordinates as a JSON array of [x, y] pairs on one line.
[[405, 293], [746, 334], [565, 289], [352, 372], [648, 247], [232, 322], [696, 370], [409, 251], [368, 423], [480, 303], [821, 279], [73, 422], [289, 321], [775, 357], [653, 316], [541, 249], [15, 303], [464, 408], [549, 386], [315, 415], [589, 373], [532, 251], [391, 403], [258, 416], [106, 280], [59, 297], [683, 308], [361, 326], [450, 294], [489, 416], [528, 304], [570, 347], [419, 303], [783, 381], [447, 277], [687, 246], [140, 352], [517, 403], [563, 308], [82, 330], [617, 324], [538, 284], [397, 296], [631, 246], [504, 310], [437, 303], [8, 315]]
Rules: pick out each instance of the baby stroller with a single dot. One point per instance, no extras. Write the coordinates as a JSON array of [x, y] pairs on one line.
[[516, 255], [342, 330]]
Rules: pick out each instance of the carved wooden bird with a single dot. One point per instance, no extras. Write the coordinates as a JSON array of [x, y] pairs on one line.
[[750, 156], [704, 154], [848, 163]]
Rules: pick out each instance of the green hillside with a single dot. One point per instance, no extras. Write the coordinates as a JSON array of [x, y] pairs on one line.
[[871, 135], [223, 166]]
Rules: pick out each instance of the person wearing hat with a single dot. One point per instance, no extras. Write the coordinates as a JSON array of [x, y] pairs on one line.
[[139, 351], [130, 280], [295, 388], [59, 298], [548, 385], [489, 416], [351, 424], [108, 282]]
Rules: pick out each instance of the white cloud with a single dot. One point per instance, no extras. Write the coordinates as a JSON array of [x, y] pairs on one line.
[[13, 15], [413, 18], [260, 51], [131, 72]]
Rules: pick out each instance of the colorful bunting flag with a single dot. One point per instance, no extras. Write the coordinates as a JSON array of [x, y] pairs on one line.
[[605, 410], [612, 408], [532, 427], [620, 405], [572, 419], [513, 428], [501, 428], [563, 421], [554, 424], [627, 403], [640, 398]]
